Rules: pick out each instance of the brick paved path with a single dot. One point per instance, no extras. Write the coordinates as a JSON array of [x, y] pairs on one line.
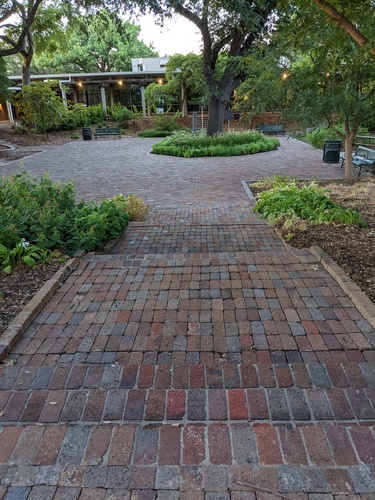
[[200, 360]]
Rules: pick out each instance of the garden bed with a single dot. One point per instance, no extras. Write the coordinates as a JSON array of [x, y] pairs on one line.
[[352, 247]]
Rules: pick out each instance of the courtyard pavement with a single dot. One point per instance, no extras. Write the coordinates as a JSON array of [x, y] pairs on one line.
[[201, 359]]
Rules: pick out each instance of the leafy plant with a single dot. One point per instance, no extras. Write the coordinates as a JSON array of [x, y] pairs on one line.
[[40, 105], [23, 253], [121, 114], [46, 214], [289, 204], [188, 144]]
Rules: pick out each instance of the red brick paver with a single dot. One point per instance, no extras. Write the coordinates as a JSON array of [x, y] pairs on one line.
[[201, 359]]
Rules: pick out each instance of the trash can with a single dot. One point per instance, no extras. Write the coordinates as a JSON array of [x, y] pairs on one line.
[[86, 134], [331, 150]]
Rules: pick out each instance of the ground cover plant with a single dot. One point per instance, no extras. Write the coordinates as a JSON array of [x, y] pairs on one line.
[[350, 245], [288, 204], [189, 144], [39, 216]]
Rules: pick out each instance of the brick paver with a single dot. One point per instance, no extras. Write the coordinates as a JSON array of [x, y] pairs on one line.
[[201, 359]]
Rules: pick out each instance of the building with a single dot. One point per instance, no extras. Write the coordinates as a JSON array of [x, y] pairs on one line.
[[107, 89]]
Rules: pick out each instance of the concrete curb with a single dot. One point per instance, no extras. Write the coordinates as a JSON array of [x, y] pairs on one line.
[[365, 306], [23, 320]]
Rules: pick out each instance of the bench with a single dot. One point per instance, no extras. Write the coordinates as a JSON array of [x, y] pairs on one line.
[[363, 158], [271, 129], [107, 131]]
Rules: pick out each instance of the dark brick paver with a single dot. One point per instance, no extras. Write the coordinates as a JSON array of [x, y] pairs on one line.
[[201, 359]]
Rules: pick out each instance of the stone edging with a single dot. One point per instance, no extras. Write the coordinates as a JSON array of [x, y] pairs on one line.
[[362, 302], [23, 320]]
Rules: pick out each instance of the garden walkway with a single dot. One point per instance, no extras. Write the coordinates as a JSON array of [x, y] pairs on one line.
[[201, 359]]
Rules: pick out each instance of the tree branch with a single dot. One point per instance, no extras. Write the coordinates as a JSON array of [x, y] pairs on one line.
[[343, 22]]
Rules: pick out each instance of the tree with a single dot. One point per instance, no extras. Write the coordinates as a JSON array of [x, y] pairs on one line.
[[359, 11], [29, 26], [5, 83], [328, 76], [40, 105], [227, 27], [98, 42], [184, 74], [16, 20]]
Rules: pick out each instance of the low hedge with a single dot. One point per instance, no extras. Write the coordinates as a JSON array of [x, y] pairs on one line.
[[187, 144]]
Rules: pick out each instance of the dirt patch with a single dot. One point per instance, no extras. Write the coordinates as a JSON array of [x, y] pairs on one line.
[[18, 288], [18, 139], [352, 247]]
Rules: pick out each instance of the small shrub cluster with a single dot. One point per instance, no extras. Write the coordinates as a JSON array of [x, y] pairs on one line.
[[188, 144], [163, 126], [39, 216], [151, 132], [121, 115], [289, 204]]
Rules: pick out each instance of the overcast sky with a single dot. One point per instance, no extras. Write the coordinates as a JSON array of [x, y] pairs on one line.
[[178, 36]]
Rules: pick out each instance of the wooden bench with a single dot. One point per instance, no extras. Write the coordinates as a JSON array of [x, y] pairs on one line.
[[363, 158], [107, 131], [271, 129]]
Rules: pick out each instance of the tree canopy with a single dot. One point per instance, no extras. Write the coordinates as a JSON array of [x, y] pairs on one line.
[[98, 42], [228, 28]]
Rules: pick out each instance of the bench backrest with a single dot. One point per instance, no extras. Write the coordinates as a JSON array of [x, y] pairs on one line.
[[367, 153], [107, 129], [271, 128]]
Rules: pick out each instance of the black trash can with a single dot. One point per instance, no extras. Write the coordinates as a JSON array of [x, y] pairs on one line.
[[331, 150], [86, 133]]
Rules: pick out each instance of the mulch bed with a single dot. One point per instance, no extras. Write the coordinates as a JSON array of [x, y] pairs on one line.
[[353, 248]]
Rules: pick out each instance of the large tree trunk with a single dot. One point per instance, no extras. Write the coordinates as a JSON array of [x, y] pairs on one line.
[[216, 113], [27, 56]]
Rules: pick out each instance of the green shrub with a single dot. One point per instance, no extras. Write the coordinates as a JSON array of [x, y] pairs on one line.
[[45, 214], [96, 114], [121, 115], [287, 202], [166, 123], [188, 144], [154, 133]]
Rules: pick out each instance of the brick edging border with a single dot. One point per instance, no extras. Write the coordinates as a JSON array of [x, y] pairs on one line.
[[23, 320], [362, 302]]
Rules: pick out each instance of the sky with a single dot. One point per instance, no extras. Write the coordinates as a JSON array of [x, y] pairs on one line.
[[178, 36]]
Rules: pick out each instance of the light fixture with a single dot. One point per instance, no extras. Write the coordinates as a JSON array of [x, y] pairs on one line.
[[79, 84], [120, 82], [285, 76], [160, 80]]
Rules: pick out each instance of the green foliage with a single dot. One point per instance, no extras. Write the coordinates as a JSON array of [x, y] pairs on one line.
[[187, 144], [151, 132], [4, 82], [99, 41], [23, 253], [166, 122], [94, 224], [159, 96], [41, 106], [45, 214], [96, 114], [121, 114], [317, 137], [287, 203]]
